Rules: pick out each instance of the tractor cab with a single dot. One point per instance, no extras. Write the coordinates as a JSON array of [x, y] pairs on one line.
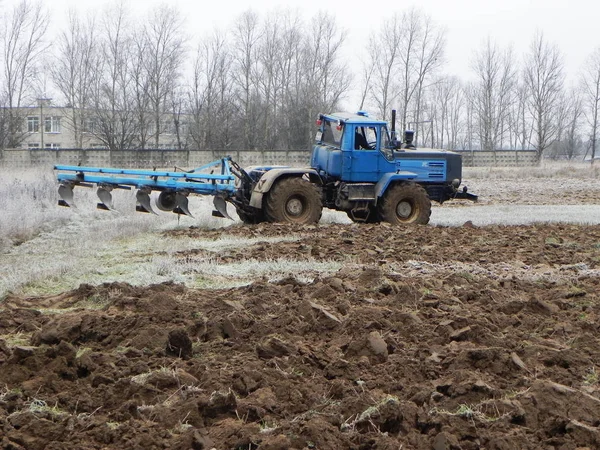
[[353, 147]]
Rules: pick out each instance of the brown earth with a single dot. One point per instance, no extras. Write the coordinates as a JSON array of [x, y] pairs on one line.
[[428, 338]]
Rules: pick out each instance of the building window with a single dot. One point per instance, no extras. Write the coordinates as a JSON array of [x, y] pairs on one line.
[[52, 146], [33, 145], [33, 124], [150, 128], [52, 124], [90, 125], [167, 127]]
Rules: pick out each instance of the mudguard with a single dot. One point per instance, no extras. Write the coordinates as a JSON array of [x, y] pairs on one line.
[[265, 183], [384, 182]]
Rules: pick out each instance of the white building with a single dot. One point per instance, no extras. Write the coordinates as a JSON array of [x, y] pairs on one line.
[[51, 127]]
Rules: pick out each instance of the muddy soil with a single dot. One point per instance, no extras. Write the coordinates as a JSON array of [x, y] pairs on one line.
[[428, 338]]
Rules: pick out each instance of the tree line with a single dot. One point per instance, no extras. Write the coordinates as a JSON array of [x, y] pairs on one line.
[[261, 83]]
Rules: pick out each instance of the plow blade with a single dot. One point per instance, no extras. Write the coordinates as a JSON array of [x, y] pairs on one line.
[[105, 197], [143, 198], [65, 191], [221, 207], [182, 205]]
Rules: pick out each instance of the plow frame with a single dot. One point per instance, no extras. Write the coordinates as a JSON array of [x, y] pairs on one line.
[[194, 181], [215, 179]]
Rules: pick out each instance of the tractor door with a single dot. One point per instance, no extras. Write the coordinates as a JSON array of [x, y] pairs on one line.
[[362, 163]]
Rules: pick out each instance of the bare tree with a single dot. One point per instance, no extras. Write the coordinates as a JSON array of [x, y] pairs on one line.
[[25, 26], [571, 141], [381, 68], [468, 139], [74, 71], [291, 71], [278, 49], [430, 52], [246, 40], [113, 121], [210, 102], [520, 127], [496, 76], [544, 78], [140, 91], [163, 47], [179, 124], [368, 72], [405, 54], [590, 82], [446, 104], [326, 77], [269, 81]]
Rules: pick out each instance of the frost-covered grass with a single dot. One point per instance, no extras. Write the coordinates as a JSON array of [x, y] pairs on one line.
[[141, 259], [483, 215], [547, 169], [27, 199], [47, 249]]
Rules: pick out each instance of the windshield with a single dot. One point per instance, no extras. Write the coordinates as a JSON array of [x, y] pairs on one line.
[[386, 145]]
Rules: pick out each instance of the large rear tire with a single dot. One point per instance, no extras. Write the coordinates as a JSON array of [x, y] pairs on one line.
[[406, 203], [293, 200]]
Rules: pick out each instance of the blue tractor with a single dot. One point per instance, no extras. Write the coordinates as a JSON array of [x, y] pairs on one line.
[[357, 166]]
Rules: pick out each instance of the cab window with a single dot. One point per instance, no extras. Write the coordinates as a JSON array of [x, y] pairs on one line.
[[386, 144], [365, 138], [331, 135]]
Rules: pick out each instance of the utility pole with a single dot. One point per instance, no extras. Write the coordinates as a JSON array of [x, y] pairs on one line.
[[41, 101]]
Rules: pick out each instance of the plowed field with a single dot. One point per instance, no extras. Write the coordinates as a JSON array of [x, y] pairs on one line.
[[434, 338], [427, 338]]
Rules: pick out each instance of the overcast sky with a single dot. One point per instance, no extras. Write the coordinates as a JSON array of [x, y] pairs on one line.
[[572, 25]]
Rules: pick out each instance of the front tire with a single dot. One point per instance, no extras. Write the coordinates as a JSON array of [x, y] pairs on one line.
[[293, 200], [406, 203]]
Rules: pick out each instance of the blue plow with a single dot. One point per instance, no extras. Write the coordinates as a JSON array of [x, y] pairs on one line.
[[215, 179]]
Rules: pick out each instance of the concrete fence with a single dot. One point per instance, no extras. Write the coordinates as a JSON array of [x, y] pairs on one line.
[[500, 158], [23, 158]]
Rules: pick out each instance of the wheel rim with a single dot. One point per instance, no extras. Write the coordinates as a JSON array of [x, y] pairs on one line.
[[404, 209], [294, 206], [167, 201]]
